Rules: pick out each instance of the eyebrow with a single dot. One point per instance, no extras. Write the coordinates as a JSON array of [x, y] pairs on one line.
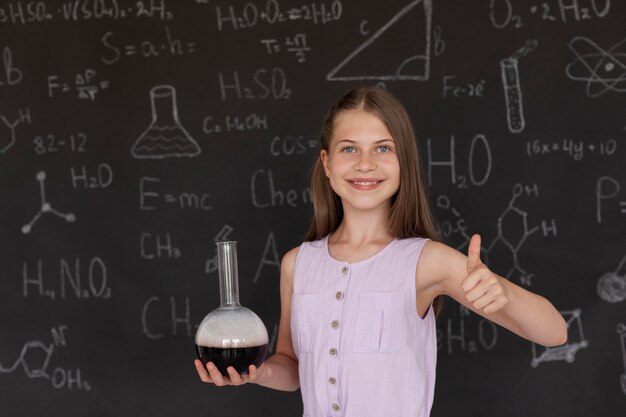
[[375, 142]]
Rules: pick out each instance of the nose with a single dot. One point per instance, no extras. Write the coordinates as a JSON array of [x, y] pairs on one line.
[[365, 163]]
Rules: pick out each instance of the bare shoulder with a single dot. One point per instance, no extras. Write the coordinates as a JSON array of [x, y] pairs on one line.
[[287, 268], [438, 263], [438, 251], [288, 262]]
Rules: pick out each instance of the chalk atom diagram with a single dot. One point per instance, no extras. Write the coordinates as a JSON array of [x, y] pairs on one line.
[[413, 54], [45, 207], [602, 70]]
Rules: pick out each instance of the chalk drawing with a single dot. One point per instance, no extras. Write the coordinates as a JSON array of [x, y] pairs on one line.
[[8, 140], [414, 67], [612, 285], [45, 207], [513, 232], [222, 235], [602, 70], [269, 257], [165, 136], [35, 358], [567, 352], [621, 330], [509, 70]]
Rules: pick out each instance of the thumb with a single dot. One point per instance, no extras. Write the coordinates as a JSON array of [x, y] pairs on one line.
[[473, 253]]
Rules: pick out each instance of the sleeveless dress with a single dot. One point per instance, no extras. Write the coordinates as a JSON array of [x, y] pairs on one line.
[[363, 349]]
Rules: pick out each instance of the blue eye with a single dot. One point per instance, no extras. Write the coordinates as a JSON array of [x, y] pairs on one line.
[[384, 149], [348, 149]]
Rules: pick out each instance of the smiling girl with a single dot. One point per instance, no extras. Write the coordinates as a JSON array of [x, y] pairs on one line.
[[359, 297]]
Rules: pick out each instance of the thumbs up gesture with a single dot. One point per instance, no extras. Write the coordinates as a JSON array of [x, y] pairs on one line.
[[483, 289]]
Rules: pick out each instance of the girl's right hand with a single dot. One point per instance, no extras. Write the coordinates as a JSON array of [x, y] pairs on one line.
[[210, 374]]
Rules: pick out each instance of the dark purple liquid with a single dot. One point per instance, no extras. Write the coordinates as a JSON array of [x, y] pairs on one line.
[[238, 358]]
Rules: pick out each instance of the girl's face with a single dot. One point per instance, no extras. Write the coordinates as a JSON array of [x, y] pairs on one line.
[[361, 161]]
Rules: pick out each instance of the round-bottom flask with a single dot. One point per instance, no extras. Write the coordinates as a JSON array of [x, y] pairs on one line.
[[231, 335]]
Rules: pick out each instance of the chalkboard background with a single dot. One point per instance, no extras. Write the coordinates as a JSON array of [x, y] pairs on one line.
[[107, 229]]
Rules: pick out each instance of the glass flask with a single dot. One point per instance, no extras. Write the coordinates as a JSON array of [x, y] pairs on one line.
[[231, 335]]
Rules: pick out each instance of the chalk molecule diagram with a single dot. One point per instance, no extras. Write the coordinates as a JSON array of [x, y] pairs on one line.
[[45, 207], [35, 359], [602, 70], [8, 140], [513, 231]]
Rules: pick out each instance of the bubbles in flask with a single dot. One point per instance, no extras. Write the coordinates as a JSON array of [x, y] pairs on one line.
[[231, 329], [231, 335]]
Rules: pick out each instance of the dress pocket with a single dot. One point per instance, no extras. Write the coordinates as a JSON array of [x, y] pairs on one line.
[[306, 308], [380, 322]]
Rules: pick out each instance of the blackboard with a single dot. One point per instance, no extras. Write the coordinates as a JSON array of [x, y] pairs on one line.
[[133, 134]]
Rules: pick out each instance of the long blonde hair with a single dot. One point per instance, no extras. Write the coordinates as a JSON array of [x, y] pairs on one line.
[[410, 214]]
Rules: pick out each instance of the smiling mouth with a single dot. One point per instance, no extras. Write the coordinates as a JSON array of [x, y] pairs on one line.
[[365, 184]]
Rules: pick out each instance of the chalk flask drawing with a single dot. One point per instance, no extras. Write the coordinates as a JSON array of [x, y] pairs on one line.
[[231, 335], [165, 137]]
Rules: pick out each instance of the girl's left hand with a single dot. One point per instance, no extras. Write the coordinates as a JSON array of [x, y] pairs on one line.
[[483, 288]]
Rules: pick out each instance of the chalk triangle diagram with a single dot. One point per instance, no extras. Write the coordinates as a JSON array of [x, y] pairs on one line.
[[394, 52]]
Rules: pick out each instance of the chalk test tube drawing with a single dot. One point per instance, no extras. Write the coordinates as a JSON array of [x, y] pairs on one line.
[[413, 54], [509, 70], [165, 137], [621, 330], [567, 352], [602, 70], [612, 285], [45, 207]]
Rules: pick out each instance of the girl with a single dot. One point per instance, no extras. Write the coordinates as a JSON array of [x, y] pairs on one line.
[[359, 297]]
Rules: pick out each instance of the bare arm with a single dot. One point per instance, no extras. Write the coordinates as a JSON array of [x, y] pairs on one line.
[[280, 371], [471, 283]]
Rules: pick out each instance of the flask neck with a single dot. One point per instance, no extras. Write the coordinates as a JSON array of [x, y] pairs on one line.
[[229, 275], [164, 111]]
